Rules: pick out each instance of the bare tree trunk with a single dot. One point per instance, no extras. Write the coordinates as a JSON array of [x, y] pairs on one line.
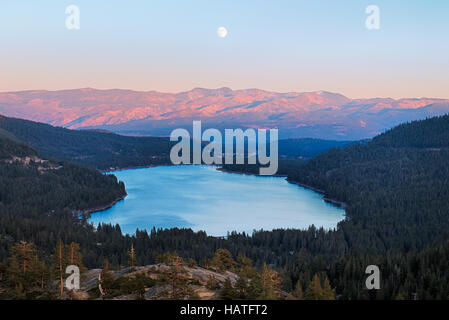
[[60, 269], [24, 257]]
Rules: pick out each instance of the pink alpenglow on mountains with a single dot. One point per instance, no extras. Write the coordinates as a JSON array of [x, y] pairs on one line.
[[312, 114]]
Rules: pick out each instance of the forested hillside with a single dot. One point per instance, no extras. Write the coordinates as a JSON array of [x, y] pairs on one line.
[[41, 199], [93, 148], [105, 150], [308, 148], [429, 133], [398, 197], [396, 190], [397, 217]]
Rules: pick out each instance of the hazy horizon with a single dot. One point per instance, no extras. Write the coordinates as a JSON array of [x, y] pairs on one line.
[[282, 46], [218, 88]]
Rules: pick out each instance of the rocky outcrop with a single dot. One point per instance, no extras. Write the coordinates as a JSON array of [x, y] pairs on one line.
[[200, 275]]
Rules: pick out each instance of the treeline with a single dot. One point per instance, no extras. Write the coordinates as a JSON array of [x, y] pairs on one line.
[[417, 275], [9, 149], [27, 276], [308, 147], [93, 148], [30, 274], [104, 150], [397, 217], [40, 199], [397, 193], [429, 133], [397, 198]]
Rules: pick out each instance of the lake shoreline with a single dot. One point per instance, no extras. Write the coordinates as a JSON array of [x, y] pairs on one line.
[[135, 167], [277, 200], [222, 169], [337, 203], [107, 206], [334, 202]]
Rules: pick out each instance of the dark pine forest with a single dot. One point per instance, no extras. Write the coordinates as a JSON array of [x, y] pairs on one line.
[[395, 187]]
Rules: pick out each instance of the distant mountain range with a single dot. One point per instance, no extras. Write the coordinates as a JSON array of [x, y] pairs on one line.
[[314, 114]]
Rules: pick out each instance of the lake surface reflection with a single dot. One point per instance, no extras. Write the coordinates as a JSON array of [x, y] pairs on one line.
[[202, 198]]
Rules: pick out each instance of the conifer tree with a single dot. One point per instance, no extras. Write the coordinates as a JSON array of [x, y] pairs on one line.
[[271, 284], [174, 276], [139, 285], [223, 260], [255, 287], [38, 272], [23, 264], [167, 257], [314, 291], [328, 292], [245, 266], [25, 253], [298, 293], [206, 263], [74, 256], [241, 287], [59, 263], [106, 280], [227, 292], [212, 282], [14, 270], [3, 272], [132, 262]]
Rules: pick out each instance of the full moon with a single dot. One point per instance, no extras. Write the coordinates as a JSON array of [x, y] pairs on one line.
[[222, 32]]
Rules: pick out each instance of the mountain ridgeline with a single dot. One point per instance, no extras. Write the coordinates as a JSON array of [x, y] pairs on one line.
[[317, 114]]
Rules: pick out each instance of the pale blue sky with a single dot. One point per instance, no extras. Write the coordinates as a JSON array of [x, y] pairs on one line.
[[278, 45]]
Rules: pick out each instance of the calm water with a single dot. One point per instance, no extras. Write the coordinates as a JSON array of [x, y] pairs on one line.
[[202, 198]]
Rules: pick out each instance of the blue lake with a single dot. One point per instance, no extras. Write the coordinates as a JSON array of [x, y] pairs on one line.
[[203, 198]]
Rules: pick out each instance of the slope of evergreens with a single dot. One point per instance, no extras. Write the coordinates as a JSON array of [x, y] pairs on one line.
[[396, 189], [93, 148], [429, 133], [308, 148], [104, 150], [397, 197], [40, 199]]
